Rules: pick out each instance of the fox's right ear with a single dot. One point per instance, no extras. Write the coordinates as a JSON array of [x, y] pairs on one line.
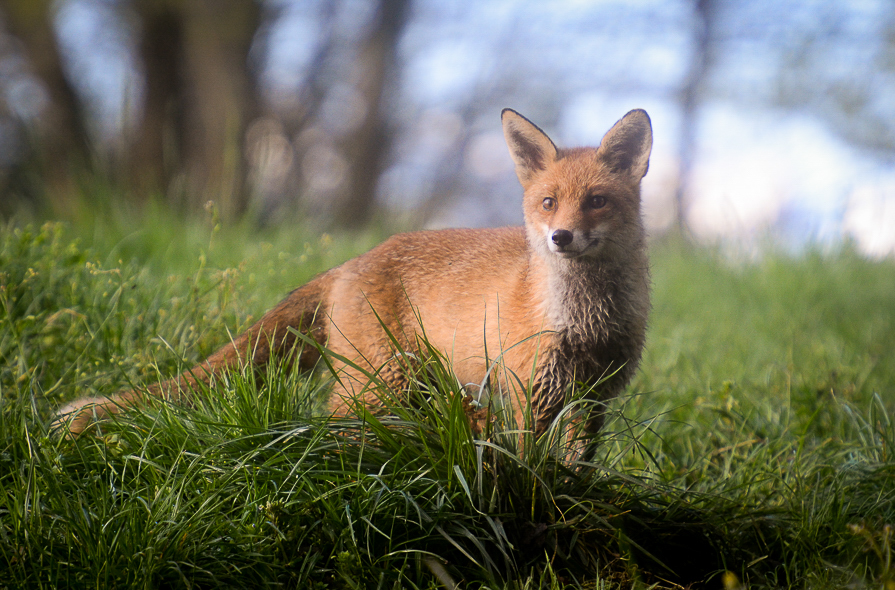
[[530, 147]]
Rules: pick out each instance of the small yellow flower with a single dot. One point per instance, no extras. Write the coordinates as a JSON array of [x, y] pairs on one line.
[[731, 581]]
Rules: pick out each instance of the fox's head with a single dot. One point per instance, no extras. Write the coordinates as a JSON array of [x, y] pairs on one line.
[[581, 203]]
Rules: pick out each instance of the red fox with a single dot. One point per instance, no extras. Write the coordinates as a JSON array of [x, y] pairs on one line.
[[563, 299]]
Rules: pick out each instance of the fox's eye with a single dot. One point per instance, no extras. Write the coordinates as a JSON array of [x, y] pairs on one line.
[[596, 201], [549, 204]]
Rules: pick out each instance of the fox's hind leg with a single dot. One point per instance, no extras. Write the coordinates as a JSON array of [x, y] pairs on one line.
[[368, 381]]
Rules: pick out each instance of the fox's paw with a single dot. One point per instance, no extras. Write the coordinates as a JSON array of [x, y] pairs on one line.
[[74, 418]]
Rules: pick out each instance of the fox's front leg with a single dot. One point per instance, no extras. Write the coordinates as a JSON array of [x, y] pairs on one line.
[[551, 392], [270, 337]]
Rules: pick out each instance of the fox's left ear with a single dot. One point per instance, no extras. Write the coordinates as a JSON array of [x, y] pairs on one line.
[[530, 147], [626, 147]]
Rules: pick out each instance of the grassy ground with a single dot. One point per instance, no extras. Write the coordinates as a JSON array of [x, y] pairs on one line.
[[754, 449]]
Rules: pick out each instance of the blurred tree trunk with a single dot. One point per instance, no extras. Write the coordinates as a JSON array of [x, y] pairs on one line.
[[60, 142], [155, 152], [200, 96], [691, 93], [366, 149]]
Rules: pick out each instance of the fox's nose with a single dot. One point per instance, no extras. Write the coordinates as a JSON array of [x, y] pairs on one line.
[[562, 237]]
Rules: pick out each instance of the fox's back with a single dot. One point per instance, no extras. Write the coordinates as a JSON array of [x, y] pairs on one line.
[[471, 292]]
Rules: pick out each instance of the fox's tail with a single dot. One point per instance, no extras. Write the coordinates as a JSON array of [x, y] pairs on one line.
[[270, 337]]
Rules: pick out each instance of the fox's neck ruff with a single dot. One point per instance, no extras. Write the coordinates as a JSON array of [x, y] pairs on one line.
[[581, 294], [587, 296]]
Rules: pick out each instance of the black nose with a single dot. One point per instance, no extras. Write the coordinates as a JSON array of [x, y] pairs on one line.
[[562, 237]]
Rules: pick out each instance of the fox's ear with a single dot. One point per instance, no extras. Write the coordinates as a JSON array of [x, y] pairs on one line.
[[530, 147], [626, 147]]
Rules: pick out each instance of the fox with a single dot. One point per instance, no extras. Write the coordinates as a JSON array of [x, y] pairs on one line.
[[529, 310]]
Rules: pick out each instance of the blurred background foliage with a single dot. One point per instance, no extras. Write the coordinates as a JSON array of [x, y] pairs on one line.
[[348, 110]]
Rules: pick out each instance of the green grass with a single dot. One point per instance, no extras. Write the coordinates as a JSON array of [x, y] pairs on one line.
[[755, 447]]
